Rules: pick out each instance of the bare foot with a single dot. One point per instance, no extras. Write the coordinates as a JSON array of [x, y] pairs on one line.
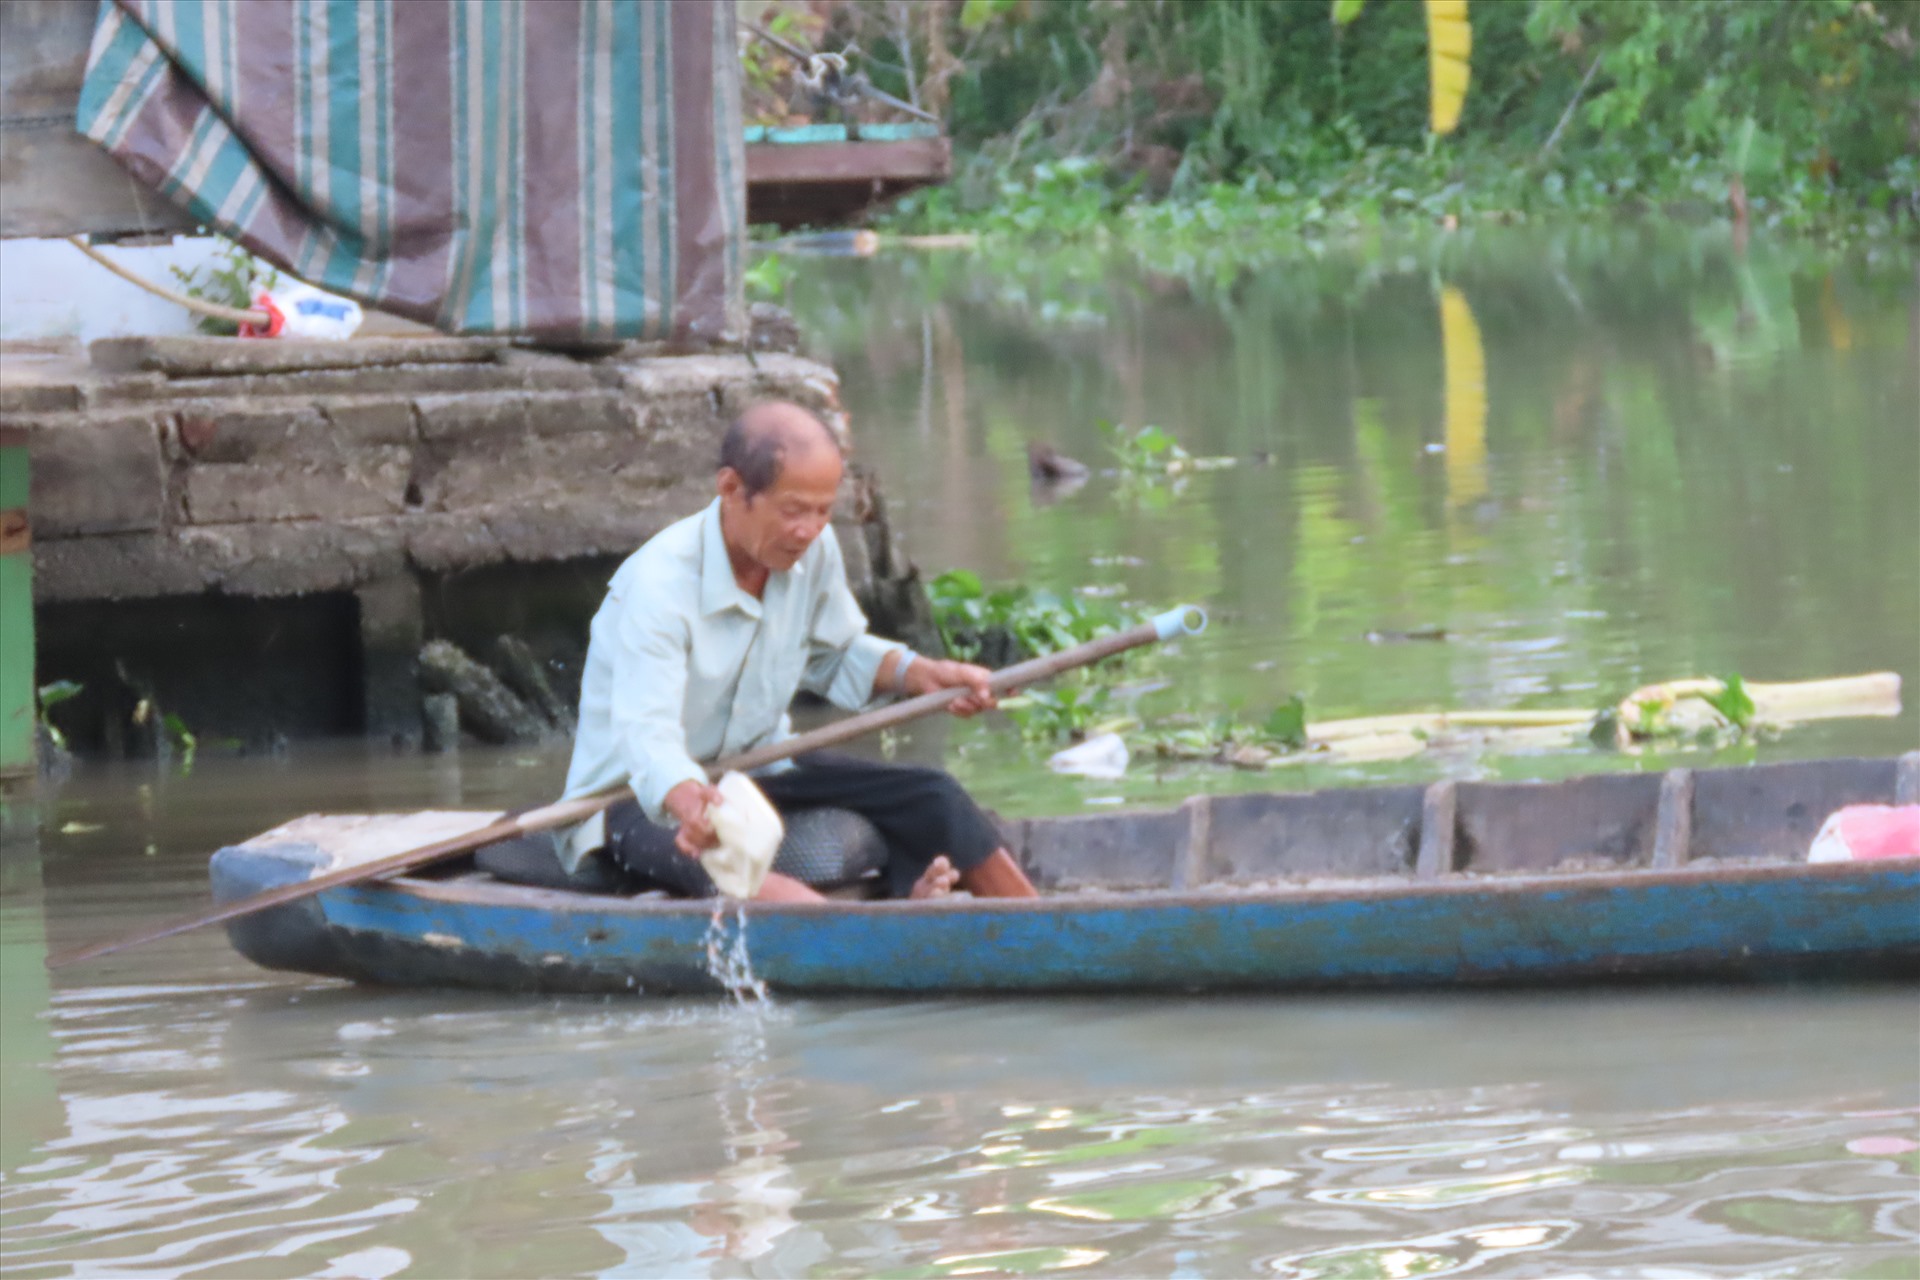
[[937, 881]]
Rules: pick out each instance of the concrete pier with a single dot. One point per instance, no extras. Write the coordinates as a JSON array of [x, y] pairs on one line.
[[178, 466], [342, 480]]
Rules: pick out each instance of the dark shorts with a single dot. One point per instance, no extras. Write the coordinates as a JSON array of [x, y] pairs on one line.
[[921, 813]]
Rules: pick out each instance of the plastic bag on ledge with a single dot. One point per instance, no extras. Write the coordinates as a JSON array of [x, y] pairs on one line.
[[297, 310]]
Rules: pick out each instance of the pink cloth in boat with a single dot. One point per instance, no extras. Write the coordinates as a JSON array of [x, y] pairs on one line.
[[1861, 832]]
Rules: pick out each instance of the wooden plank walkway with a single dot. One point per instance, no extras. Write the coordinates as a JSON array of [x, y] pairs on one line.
[[822, 174]]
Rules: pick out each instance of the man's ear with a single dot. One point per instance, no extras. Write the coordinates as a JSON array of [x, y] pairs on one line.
[[729, 485]]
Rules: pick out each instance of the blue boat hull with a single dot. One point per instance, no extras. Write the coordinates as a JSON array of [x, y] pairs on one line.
[[1859, 920]]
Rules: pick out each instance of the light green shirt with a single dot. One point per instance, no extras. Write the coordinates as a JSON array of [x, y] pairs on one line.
[[684, 667]]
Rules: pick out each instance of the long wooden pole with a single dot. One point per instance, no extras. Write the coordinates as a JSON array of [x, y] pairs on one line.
[[1182, 621], [234, 315]]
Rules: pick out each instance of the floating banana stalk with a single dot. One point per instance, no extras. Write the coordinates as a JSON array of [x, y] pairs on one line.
[[1673, 708]]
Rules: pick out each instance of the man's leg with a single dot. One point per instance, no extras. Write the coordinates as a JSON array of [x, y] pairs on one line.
[[925, 817], [647, 850], [778, 888], [998, 877]]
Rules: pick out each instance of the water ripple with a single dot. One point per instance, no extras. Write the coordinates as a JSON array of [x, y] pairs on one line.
[[310, 1131]]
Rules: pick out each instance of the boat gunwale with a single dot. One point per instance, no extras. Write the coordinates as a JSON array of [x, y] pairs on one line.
[[494, 894]]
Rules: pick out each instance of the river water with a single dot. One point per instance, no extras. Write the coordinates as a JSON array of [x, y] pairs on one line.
[[1677, 461]]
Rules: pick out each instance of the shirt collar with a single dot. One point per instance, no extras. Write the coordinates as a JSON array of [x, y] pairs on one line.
[[719, 590]]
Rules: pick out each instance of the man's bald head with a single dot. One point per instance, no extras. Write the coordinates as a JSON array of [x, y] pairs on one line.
[[766, 437]]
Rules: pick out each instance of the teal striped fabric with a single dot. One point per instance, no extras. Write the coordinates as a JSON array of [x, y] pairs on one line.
[[558, 168]]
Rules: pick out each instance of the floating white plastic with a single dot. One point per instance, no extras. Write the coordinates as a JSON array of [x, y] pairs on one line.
[[1102, 756]]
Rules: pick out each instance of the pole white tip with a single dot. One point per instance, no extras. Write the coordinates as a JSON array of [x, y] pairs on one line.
[[1188, 619]]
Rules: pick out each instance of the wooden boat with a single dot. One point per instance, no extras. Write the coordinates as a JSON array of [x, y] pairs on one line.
[[1683, 875]]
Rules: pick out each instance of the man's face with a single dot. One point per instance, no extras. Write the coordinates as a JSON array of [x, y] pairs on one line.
[[776, 526]]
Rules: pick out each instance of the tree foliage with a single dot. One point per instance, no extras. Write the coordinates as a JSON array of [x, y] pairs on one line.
[[1830, 85], [1807, 101]]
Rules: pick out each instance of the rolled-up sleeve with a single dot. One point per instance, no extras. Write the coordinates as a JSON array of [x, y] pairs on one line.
[[842, 659], [649, 686]]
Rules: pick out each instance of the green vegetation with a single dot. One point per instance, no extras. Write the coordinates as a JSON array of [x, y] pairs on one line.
[[1147, 454], [769, 277], [1009, 624], [50, 696], [1228, 739], [1287, 725], [180, 738], [1005, 625], [233, 279], [1732, 702], [1089, 118], [1152, 465], [1665, 712], [1077, 705]]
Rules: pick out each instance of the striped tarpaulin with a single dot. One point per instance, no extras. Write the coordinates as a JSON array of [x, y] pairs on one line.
[[564, 168]]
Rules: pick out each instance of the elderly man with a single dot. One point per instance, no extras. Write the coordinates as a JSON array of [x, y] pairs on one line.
[[707, 633]]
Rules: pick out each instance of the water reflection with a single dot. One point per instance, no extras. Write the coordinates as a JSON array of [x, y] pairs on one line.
[[1658, 488], [740, 1211], [29, 1107], [270, 1129], [160, 1136], [1593, 460], [1448, 1253], [1464, 428]]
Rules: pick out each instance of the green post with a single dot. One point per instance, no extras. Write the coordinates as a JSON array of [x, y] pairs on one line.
[[17, 754]]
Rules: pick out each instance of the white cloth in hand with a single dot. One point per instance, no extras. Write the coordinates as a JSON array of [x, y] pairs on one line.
[[750, 832]]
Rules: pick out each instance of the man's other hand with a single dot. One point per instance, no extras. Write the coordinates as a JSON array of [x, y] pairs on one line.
[[928, 674], [688, 803]]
